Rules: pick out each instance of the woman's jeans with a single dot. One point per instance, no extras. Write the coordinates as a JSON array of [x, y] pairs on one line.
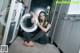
[[40, 37]]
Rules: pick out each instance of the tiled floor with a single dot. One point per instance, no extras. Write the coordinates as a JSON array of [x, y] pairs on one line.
[[17, 47]]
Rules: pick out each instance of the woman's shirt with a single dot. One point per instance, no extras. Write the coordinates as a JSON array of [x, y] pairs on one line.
[[43, 24]]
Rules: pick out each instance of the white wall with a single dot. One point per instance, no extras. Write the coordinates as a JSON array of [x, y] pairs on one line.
[[1, 2], [74, 8]]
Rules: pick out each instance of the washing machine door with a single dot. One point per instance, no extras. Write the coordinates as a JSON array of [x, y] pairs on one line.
[[26, 23]]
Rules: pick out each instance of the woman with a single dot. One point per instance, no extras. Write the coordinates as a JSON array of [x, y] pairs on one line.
[[40, 34]]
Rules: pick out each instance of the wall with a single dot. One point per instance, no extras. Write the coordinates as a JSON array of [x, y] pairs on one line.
[[74, 8]]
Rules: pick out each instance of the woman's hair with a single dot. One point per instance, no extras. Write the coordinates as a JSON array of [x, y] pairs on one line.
[[46, 17]]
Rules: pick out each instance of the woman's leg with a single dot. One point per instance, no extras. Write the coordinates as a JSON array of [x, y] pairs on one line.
[[41, 37], [28, 39], [38, 35], [27, 36]]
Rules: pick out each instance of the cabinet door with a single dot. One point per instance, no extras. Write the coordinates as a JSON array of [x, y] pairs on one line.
[[73, 43], [64, 36], [61, 25], [58, 32], [54, 18]]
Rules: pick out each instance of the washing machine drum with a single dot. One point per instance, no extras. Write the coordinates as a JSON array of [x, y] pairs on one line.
[[26, 23]]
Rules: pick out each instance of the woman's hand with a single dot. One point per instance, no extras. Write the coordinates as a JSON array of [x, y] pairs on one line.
[[33, 20], [44, 29], [38, 23], [33, 14], [34, 17]]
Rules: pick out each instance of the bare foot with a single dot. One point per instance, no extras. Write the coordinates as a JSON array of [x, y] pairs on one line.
[[25, 43], [31, 44]]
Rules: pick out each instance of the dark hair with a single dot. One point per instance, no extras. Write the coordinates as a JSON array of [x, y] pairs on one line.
[[46, 17]]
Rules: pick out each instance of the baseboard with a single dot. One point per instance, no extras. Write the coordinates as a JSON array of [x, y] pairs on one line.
[[60, 50], [55, 44], [57, 47]]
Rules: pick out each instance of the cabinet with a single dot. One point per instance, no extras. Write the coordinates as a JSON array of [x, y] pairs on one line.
[[67, 31], [67, 34], [73, 42]]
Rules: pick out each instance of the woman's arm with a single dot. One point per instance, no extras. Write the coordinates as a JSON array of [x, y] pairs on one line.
[[33, 14], [33, 17], [44, 29]]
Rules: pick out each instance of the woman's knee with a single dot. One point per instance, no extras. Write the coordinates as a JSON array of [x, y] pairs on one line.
[[44, 40], [42, 33]]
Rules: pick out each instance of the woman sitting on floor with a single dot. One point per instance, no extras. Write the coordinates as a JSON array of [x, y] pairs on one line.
[[40, 34]]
